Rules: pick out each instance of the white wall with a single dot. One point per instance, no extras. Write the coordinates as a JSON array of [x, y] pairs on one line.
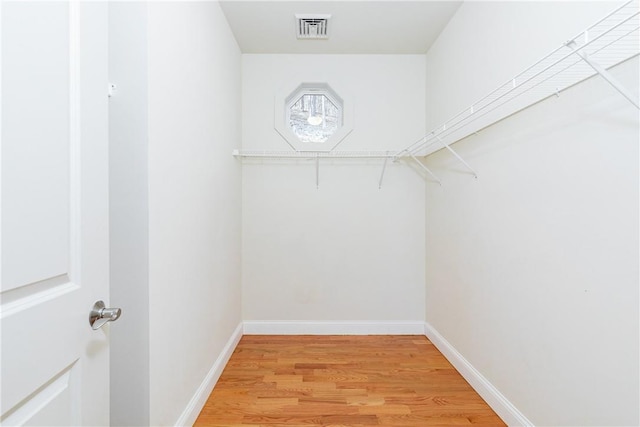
[[532, 269], [129, 214], [194, 198], [347, 251]]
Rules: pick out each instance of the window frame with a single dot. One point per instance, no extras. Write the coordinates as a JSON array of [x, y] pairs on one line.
[[286, 100]]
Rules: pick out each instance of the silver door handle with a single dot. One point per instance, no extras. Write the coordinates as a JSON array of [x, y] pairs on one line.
[[100, 315]]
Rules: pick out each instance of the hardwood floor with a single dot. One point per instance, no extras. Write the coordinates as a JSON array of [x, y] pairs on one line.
[[342, 381]]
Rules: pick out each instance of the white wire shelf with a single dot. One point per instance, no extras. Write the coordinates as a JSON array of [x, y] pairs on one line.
[[610, 41], [317, 155], [314, 154]]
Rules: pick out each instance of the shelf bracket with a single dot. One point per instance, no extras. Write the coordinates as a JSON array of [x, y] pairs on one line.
[[457, 156], [604, 73], [384, 166], [426, 169], [317, 171]]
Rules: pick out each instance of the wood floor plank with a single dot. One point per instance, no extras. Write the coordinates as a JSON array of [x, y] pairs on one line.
[[342, 381]]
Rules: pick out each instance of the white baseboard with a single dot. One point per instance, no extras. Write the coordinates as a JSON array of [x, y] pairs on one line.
[[333, 328], [191, 412], [496, 400]]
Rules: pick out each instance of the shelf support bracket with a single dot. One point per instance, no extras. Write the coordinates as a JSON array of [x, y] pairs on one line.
[[604, 73], [426, 169], [457, 156], [317, 171], [384, 166]]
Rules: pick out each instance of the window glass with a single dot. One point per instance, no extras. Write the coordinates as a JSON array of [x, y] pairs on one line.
[[314, 117]]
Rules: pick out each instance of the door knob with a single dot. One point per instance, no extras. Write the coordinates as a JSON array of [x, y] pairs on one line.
[[100, 315]]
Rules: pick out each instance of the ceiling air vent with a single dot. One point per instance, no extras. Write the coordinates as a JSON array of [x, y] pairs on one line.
[[312, 26]]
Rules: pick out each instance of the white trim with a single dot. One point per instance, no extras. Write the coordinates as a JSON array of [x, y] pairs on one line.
[[292, 327], [191, 412], [75, 147], [496, 400]]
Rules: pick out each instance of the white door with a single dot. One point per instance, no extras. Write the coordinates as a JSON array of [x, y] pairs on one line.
[[54, 230]]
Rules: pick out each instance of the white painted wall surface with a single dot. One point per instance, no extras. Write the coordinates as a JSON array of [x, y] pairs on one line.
[[347, 251], [194, 198], [129, 213], [532, 269]]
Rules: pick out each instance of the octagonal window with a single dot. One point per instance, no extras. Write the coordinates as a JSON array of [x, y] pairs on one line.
[[314, 117]]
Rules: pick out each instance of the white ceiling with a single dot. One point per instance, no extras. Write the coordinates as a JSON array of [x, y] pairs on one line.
[[356, 26]]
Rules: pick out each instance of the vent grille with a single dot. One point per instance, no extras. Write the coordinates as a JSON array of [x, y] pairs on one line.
[[312, 26]]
